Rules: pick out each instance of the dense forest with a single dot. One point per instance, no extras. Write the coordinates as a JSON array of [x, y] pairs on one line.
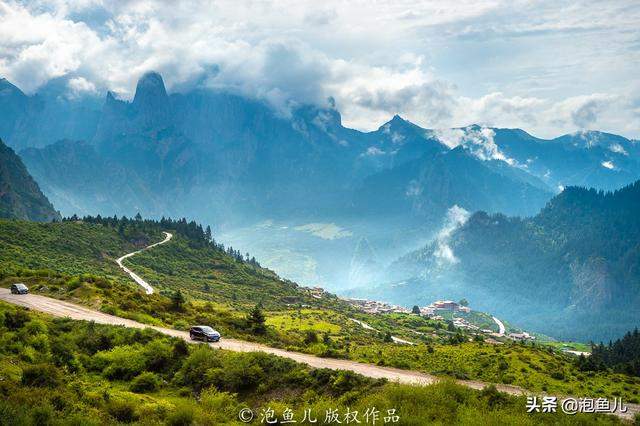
[[622, 356]]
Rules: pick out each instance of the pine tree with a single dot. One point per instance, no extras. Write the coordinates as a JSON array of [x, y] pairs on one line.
[[177, 300], [256, 320]]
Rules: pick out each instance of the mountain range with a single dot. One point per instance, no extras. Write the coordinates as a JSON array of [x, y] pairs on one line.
[[336, 205], [180, 153]]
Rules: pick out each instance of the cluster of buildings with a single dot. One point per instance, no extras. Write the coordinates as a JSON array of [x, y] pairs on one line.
[[443, 305], [521, 336], [315, 292], [375, 307], [431, 311], [463, 323]]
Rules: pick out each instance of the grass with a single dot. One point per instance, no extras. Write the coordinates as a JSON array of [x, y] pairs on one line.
[[74, 261], [60, 371], [530, 367], [304, 320]]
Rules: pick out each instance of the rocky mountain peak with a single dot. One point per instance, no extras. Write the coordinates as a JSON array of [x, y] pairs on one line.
[[150, 91]]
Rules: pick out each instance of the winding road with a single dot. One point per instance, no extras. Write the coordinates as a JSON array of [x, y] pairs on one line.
[[394, 338], [60, 308], [501, 329], [147, 288]]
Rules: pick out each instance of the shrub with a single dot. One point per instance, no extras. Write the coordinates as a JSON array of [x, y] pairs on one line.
[[180, 349], [195, 367], [120, 363], [145, 382], [43, 415], [158, 356], [123, 411], [310, 337], [223, 405], [184, 415], [41, 375], [36, 327], [493, 398], [15, 320]]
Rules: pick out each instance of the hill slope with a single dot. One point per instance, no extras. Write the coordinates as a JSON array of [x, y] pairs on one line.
[[20, 196], [74, 260]]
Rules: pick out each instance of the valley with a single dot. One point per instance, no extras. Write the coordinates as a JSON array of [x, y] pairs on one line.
[[375, 213], [220, 288]]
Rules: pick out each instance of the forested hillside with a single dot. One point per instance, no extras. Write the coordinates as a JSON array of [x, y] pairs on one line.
[[20, 196], [572, 271], [623, 355]]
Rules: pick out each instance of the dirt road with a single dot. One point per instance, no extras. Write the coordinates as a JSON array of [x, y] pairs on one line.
[[147, 288], [61, 308]]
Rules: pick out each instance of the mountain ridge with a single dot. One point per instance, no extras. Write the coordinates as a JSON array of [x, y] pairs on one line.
[[20, 196], [563, 272]]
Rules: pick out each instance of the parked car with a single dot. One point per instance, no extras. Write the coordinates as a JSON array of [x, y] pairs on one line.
[[19, 288], [204, 332]]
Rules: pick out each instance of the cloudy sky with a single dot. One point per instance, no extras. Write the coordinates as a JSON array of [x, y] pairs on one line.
[[550, 67]]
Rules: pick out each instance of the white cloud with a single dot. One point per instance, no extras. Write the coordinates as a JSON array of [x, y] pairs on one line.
[[477, 140], [79, 86], [548, 67], [608, 165], [373, 151], [456, 217], [618, 149]]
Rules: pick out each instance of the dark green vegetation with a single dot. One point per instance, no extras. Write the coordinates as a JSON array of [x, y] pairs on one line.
[[69, 372], [572, 271], [200, 282], [623, 355], [20, 196]]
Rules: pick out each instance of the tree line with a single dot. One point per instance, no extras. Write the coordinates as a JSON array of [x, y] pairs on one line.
[[137, 226], [622, 356]]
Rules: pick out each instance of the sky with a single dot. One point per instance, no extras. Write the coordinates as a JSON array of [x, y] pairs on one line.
[[549, 67]]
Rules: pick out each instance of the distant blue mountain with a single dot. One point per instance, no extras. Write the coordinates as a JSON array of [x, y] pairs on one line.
[[218, 155]]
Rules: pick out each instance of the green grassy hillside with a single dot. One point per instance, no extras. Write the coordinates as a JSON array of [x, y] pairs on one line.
[[59, 371], [74, 260]]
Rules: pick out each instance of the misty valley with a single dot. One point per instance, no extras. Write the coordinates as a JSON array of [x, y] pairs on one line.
[[270, 213]]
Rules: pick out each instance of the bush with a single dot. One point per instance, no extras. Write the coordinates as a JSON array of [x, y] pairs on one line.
[[222, 405], [120, 363], [43, 415], [158, 356], [123, 411], [16, 320], [41, 375], [493, 398], [184, 415], [310, 337], [145, 382]]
